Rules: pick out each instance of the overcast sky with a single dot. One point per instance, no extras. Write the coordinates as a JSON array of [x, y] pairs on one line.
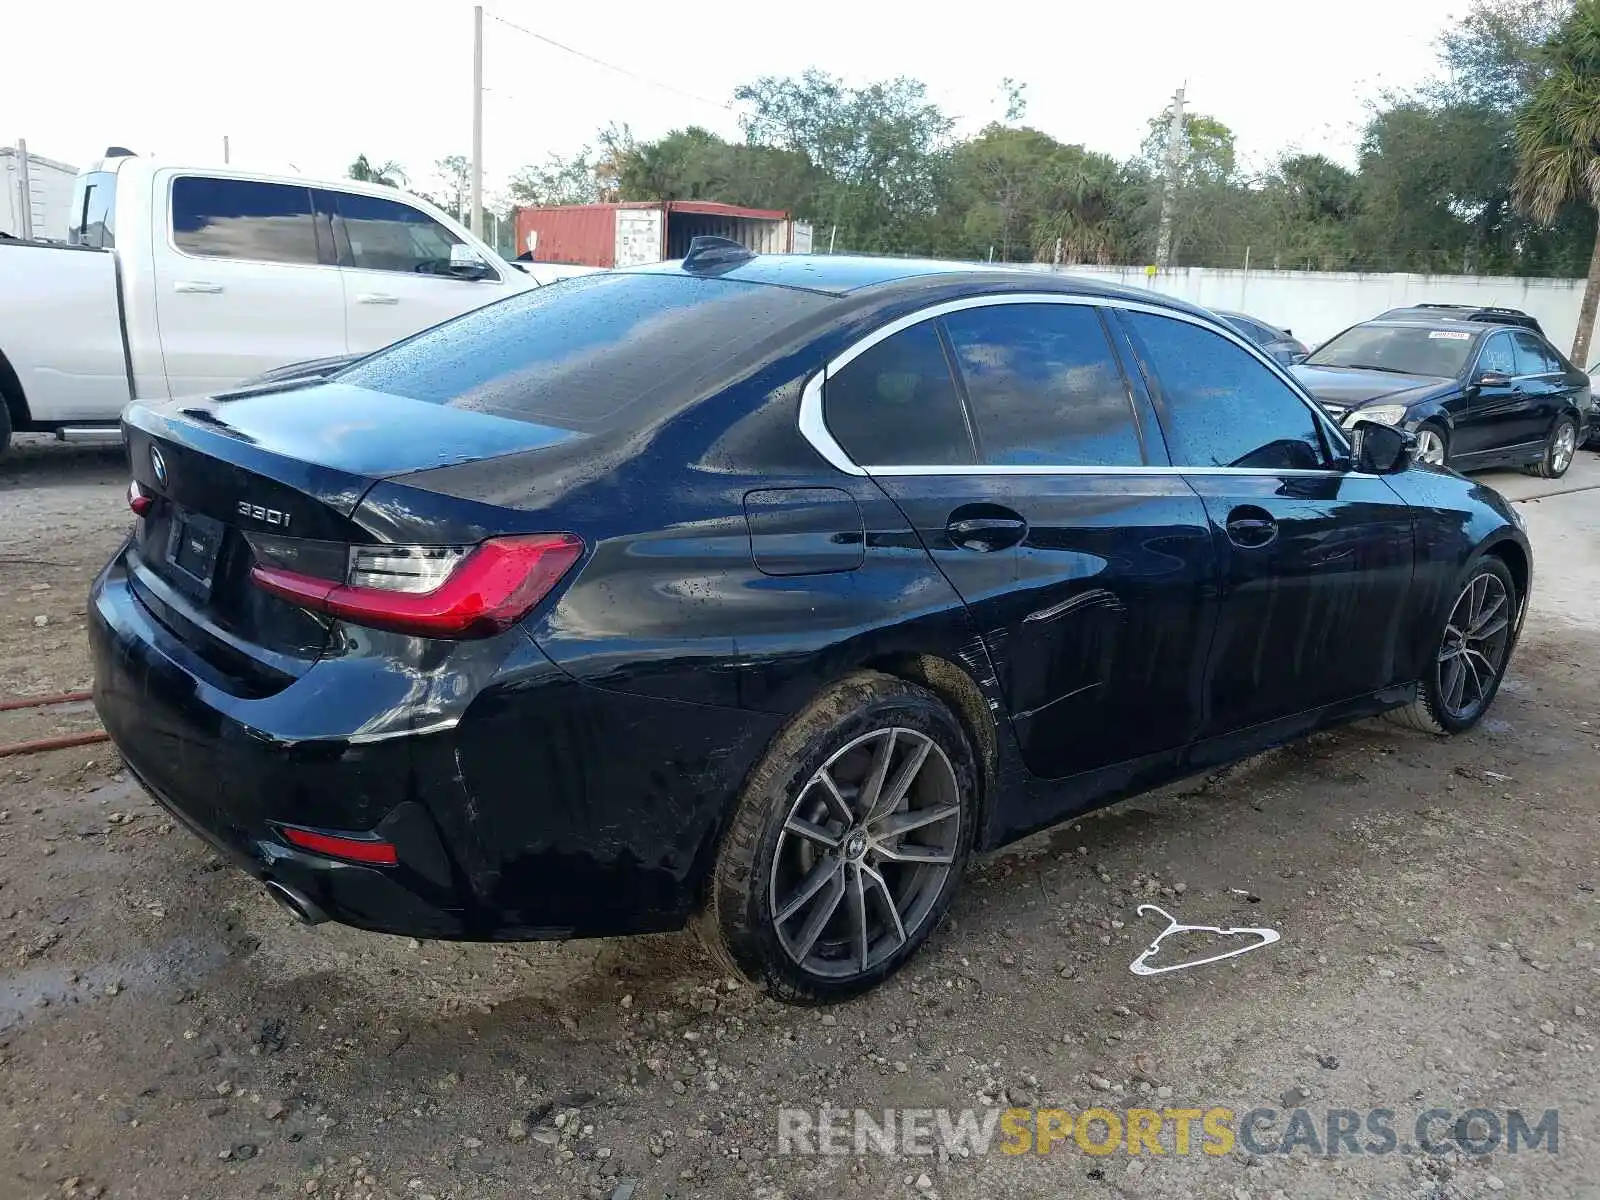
[[312, 84]]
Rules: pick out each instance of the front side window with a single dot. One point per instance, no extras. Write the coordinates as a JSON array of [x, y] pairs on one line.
[[895, 404], [1534, 357], [243, 219], [1044, 386], [1498, 355], [386, 235], [1224, 407]]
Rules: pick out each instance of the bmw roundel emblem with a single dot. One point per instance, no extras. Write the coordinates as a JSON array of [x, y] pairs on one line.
[[158, 464]]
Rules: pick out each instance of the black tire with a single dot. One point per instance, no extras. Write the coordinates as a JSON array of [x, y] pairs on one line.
[[1440, 432], [841, 729], [1560, 447], [5, 427], [1433, 711]]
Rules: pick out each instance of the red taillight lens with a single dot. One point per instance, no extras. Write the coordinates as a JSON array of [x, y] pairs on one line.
[[353, 849], [486, 591], [138, 500]]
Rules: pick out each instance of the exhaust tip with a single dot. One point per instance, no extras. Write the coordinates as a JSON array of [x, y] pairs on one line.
[[299, 906]]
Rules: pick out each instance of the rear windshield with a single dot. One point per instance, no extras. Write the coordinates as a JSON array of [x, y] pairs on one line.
[[590, 354], [1406, 349]]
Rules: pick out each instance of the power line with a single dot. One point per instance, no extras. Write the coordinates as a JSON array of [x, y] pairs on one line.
[[600, 62]]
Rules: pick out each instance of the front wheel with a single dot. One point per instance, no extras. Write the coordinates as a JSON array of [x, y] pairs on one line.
[[1559, 447], [1433, 444], [1471, 656], [847, 845]]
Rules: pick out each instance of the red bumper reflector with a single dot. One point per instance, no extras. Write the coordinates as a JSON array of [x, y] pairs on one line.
[[492, 589], [353, 849], [137, 500]]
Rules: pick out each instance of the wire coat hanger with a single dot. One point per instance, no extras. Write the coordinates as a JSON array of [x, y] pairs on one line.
[[1140, 965]]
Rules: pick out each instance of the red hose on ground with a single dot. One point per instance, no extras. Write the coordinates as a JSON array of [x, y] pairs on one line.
[[49, 743], [41, 701], [54, 743]]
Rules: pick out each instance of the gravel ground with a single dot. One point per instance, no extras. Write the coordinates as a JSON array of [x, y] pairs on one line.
[[165, 1031]]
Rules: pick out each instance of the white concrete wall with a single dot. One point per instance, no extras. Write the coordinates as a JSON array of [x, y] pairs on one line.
[[1317, 304]]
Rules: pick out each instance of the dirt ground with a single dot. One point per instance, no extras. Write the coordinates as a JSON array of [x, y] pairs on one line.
[[166, 1031]]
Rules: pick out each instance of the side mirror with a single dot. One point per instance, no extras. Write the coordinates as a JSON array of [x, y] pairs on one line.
[[1381, 449], [465, 264], [1493, 379]]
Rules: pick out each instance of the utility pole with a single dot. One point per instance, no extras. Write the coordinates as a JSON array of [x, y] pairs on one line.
[[225, 158], [1170, 187], [25, 185], [477, 120]]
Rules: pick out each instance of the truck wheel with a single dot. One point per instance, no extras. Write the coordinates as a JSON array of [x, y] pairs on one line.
[[847, 845]]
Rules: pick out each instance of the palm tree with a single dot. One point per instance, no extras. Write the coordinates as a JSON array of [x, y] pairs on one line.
[[1558, 142], [390, 174]]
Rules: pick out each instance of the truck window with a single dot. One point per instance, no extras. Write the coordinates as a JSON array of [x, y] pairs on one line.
[[94, 199], [386, 235], [244, 219]]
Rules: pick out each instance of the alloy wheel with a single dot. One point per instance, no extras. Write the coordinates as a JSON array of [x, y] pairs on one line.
[[865, 852], [1476, 640], [1430, 447], [1561, 452]]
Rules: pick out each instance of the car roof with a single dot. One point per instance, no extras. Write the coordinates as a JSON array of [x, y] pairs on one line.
[[1443, 324], [849, 274], [1471, 314]]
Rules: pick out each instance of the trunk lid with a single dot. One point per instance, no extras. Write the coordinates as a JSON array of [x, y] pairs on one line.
[[280, 475]]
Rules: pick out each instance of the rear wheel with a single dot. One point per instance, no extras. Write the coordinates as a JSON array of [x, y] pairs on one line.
[[1471, 654], [1433, 444], [1559, 448], [847, 845]]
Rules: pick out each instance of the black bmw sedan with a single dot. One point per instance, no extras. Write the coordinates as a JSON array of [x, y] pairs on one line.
[[762, 592], [1476, 394]]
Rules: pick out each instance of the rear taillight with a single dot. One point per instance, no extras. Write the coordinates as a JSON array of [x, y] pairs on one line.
[[138, 499], [434, 591]]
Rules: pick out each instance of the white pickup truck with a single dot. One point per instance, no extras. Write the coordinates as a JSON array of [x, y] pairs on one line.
[[180, 281]]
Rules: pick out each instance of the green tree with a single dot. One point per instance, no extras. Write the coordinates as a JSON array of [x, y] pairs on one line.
[[454, 172], [879, 150], [1558, 141]]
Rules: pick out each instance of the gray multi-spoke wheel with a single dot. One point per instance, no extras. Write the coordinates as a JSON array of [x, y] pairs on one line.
[[847, 844], [1432, 445], [865, 852], [1472, 652], [1559, 448]]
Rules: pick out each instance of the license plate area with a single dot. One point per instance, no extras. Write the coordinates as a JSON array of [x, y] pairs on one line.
[[194, 543]]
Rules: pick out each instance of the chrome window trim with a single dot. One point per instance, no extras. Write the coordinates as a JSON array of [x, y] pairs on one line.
[[814, 427]]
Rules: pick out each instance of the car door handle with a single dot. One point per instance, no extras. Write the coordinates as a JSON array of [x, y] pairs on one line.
[[1251, 528], [995, 531], [198, 286], [376, 298]]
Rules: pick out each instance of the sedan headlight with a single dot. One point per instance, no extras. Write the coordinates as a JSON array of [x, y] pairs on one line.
[[1384, 414]]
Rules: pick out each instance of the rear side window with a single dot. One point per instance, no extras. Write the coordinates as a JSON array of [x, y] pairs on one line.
[[1224, 407], [1534, 357], [895, 404], [386, 235], [243, 219], [1044, 386], [594, 353], [94, 203]]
